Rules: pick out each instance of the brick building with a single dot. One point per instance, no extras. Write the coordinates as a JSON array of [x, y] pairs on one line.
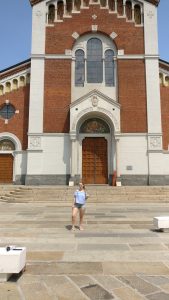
[[93, 100]]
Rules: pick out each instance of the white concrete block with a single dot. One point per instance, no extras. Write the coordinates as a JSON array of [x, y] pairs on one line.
[[12, 261], [161, 222], [71, 183]]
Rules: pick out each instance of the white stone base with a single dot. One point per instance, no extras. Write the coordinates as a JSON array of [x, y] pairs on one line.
[[71, 183], [161, 222], [12, 261]]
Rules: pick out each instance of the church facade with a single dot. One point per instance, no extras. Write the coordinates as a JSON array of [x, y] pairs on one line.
[[92, 102]]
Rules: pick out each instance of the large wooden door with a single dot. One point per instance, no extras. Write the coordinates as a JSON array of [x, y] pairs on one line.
[[94, 161], [6, 168]]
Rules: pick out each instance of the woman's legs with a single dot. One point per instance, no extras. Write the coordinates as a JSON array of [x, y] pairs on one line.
[[81, 213], [74, 215]]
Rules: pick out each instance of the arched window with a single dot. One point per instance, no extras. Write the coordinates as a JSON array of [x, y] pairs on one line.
[[7, 111], [109, 68], [69, 6], [137, 14], [120, 7], [94, 125], [85, 3], [79, 68], [129, 10], [77, 4], [111, 4], [51, 13], [103, 3], [94, 61], [6, 145], [60, 10]]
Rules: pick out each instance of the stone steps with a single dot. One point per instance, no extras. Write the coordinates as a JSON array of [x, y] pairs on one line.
[[99, 194]]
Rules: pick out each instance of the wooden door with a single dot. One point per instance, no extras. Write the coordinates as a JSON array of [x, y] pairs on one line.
[[94, 161], [6, 168]]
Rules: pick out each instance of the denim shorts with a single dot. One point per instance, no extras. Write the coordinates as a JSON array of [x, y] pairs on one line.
[[78, 205]]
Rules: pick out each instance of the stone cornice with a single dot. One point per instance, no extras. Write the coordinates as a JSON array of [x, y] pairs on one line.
[[155, 2], [15, 69], [164, 64]]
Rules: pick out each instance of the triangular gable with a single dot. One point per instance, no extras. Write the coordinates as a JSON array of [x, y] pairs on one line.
[[94, 93]]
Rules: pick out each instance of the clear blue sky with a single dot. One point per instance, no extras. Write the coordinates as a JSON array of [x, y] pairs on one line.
[[15, 24]]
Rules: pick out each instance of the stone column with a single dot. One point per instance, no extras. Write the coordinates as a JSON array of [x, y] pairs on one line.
[[115, 6], [118, 182], [73, 159]]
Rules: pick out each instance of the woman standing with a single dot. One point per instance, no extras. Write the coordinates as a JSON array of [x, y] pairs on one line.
[[80, 197]]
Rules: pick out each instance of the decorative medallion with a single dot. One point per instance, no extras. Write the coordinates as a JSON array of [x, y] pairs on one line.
[[94, 100], [35, 142], [94, 17], [113, 35], [75, 35], [155, 142]]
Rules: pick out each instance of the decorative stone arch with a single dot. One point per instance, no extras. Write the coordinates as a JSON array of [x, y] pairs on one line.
[[87, 113], [9, 145], [13, 138]]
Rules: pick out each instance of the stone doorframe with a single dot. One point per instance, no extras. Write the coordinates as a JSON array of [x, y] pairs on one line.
[[18, 147], [94, 104]]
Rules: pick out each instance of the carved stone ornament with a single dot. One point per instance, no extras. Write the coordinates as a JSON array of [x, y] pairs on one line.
[[94, 17], [75, 35], [38, 13], [155, 142], [113, 35], [150, 14], [94, 28], [94, 101], [35, 142]]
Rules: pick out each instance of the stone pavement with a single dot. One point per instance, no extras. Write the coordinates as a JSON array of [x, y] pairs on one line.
[[118, 256]]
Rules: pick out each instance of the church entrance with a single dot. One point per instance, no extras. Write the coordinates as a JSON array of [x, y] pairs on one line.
[[6, 168], [94, 160], [6, 161]]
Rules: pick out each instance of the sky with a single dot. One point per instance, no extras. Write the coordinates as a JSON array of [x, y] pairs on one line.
[[16, 23]]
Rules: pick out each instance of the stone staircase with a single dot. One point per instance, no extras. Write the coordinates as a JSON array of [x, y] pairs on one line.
[[63, 195]]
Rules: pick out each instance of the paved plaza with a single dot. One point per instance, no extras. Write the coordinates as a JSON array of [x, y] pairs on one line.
[[118, 256]]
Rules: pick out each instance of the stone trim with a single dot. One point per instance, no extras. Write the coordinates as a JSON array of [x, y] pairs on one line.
[[47, 179]]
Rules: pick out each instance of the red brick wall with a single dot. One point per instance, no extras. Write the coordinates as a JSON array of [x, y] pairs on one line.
[[57, 95], [59, 37], [58, 72], [18, 124], [132, 95], [165, 115]]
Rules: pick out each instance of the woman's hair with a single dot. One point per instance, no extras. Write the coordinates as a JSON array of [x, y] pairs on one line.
[[81, 183]]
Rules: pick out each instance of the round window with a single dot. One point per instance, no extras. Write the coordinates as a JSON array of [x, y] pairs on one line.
[[7, 111]]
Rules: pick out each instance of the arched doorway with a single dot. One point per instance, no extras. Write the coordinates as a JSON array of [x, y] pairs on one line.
[[94, 151], [6, 161]]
